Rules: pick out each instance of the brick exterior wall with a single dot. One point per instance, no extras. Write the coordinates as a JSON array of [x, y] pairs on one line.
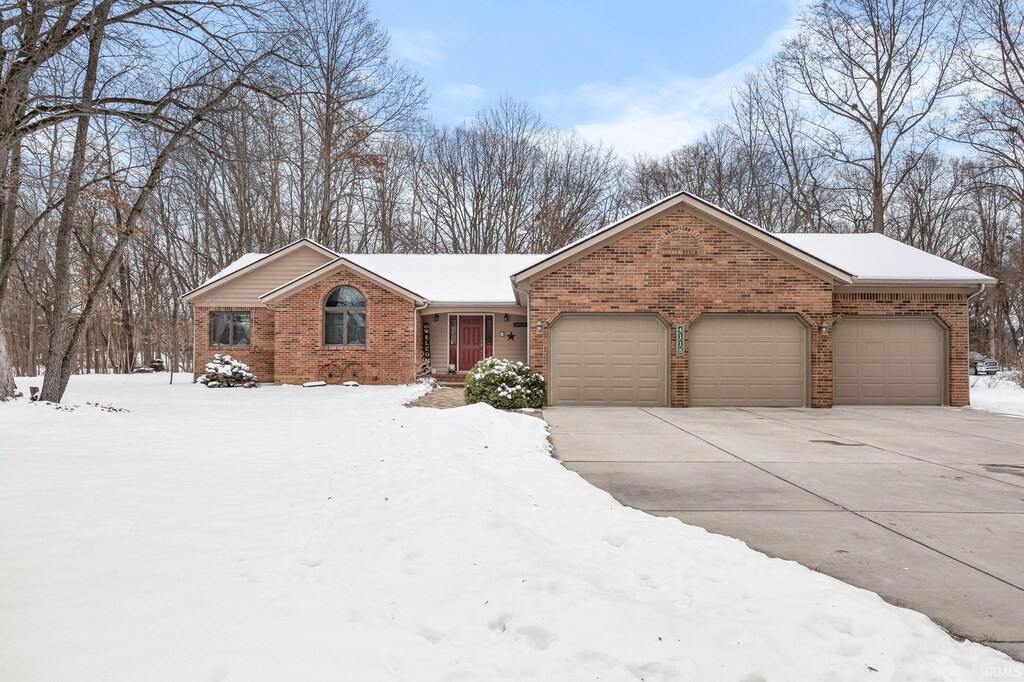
[[259, 354], [680, 266], [387, 358], [950, 308]]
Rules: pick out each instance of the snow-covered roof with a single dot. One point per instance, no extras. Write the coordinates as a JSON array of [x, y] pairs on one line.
[[876, 258], [446, 278], [486, 278], [244, 260]]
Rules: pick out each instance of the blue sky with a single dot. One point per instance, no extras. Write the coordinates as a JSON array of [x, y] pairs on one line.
[[642, 76]]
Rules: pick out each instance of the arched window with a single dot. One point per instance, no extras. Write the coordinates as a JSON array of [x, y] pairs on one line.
[[345, 317]]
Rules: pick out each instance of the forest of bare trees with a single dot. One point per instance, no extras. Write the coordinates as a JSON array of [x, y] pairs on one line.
[[145, 144]]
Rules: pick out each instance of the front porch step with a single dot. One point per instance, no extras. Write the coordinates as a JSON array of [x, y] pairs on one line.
[[451, 380]]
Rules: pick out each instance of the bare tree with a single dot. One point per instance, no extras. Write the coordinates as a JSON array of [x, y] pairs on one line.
[[991, 121], [507, 183], [349, 98], [931, 208], [878, 68], [800, 174]]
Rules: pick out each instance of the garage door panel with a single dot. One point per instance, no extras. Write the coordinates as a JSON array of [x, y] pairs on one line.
[[899, 349], [648, 372], [623, 372], [897, 360], [752, 360], [867, 349], [647, 349], [622, 347], [568, 394], [612, 360]]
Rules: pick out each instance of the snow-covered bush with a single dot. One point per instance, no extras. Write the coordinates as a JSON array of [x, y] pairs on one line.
[[226, 372], [504, 384], [429, 382]]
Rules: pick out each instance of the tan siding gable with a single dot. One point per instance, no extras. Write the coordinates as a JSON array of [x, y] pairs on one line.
[[245, 289]]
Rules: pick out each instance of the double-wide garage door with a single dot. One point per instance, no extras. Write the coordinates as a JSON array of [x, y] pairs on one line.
[[889, 361]]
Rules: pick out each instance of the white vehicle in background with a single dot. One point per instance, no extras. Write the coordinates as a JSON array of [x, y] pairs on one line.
[[980, 364]]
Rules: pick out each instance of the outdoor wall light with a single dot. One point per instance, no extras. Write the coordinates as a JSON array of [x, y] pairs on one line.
[[506, 317], [436, 318]]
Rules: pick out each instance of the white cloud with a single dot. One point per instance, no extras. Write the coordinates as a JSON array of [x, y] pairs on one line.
[[418, 45], [656, 117], [462, 92], [456, 103], [653, 118]]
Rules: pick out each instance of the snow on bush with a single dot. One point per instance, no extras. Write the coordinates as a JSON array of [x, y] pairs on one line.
[[429, 382], [505, 385], [226, 372]]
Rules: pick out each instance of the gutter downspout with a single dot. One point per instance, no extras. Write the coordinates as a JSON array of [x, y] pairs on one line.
[[981, 288], [529, 326], [195, 322], [415, 316]]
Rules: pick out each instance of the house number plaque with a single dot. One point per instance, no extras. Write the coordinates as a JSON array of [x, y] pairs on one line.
[[680, 339]]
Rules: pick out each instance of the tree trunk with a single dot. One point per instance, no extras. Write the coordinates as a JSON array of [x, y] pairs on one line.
[[60, 362], [13, 176], [878, 192], [126, 319], [6, 367]]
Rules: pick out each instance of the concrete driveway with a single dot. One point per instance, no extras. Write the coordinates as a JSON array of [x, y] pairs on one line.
[[923, 505]]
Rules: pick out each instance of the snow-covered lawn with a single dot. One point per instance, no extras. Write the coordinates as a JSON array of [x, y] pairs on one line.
[[997, 393], [290, 533]]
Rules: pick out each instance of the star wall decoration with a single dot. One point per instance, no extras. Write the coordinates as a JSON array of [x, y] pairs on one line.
[[511, 336]]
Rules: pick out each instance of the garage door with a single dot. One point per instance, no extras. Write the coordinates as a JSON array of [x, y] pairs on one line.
[[748, 360], [609, 360], [888, 361]]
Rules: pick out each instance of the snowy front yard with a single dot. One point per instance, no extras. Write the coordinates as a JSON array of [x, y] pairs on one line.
[[331, 533], [997, 393]]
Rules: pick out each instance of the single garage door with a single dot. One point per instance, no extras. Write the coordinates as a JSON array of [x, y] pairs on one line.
[[603, 359], [888, 361], [748, 361]]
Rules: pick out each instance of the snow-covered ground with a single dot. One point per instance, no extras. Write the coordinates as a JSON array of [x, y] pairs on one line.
[[331, 533], [997, 393]]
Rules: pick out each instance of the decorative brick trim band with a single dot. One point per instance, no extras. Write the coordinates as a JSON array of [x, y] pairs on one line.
[[896, 296]]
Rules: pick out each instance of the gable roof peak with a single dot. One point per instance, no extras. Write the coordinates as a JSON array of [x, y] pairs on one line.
[[720, 215], [250, 261]]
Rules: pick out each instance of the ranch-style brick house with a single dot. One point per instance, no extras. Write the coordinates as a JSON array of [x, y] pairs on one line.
[[680, 304]]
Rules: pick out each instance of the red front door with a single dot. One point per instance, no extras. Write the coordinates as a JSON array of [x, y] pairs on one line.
[[471, 341]]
